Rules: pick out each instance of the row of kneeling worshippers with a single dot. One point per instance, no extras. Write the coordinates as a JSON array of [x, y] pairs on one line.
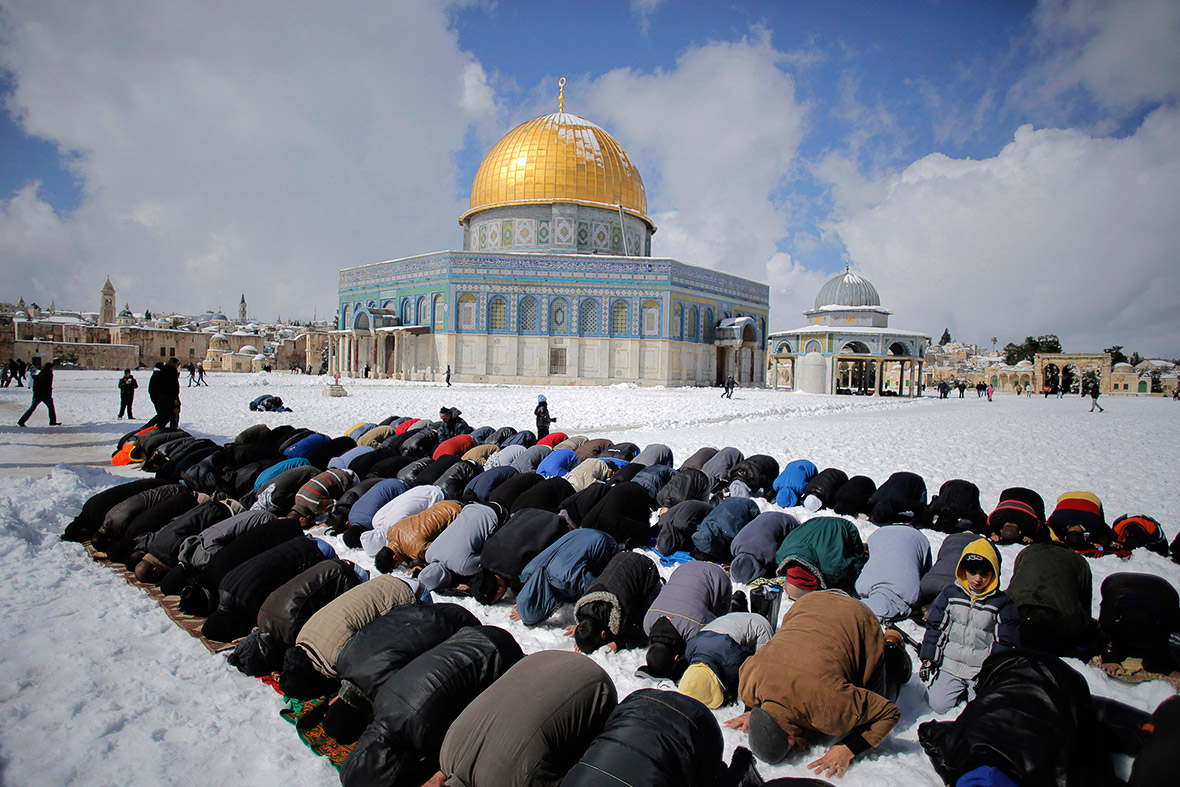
[[547, 557]]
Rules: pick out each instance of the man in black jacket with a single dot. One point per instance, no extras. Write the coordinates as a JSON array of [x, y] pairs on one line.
[[42, 392], [164, 391]]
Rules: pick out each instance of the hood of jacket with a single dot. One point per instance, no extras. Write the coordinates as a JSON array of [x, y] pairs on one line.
[[983, 548]]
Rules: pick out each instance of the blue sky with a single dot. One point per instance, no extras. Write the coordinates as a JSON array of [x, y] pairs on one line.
[[998, 169]]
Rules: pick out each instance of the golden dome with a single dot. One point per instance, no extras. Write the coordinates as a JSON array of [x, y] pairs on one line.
[[558, 158]]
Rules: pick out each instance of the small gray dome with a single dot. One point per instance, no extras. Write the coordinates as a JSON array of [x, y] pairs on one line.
[[847, 289]]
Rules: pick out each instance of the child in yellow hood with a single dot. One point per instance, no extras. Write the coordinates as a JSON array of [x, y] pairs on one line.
[[970, 620]]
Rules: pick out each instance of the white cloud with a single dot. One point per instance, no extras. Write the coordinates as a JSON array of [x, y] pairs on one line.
[[229, 148], [1060, 232], [714, 138], [1124, 53]]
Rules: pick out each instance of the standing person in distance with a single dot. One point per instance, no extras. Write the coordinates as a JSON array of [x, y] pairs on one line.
[[201, 374], [543, 417], [448, 377], [127, 386], [729, 386], [164, 391], [42, 385], [1094, 394]]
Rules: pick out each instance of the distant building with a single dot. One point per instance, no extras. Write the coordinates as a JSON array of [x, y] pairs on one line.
[[555, 283], [847, 346]]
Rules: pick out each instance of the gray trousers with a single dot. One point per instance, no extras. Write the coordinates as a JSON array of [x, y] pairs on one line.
[[946, 691]]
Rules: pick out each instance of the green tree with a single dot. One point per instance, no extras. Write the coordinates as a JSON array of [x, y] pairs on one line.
[[946, 337], [1116, 354], [1048, 343], [1135, 359], [1012, 354]]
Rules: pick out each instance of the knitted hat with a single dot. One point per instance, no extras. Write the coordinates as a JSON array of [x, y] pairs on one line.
[[702, 685], [769, 742], [541, 398], [801, 578]]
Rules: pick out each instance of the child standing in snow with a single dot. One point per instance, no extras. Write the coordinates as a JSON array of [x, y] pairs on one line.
[[970, 620]]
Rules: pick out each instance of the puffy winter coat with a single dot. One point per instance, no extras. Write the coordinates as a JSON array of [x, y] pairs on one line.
[[592, 449], [253, 542], [901, 498], [1052, 587], [717, 467], [588, 472], [391, 641], [624, 513], [345, 459], [292, 604], [824, 485], [558, 463], [525, 438], [654, 454], [457, 446], [307, 446], [722, 654], [890, 582], [1138, 613], [553, 439], [411, 502], [506, 493], [942, 573], [572, 442], [955, 507], [622, 451], [827, 546], [374, 437], [455, 552], [410, 471], [408, 538], [481, 453], [456, 478], [627, 586], [562, 573], [362, 511], [575, 507], [500, 435], [754, 545], [329, 450], [697, 460], [414, 708], [338, 517], [852, 498], [244, 588], [164, 544], [154, 518], [964, 627], [1032, 718], [278, 496], [757, 472], [792, 481], [811, 677], [278, 468], [435, 470], [677, 525], [529, 727], [654, 738], [695, 594], [481, 485], [420, 444], [358, 431], [95, 509], [721, 525], [547, 495], [687, 484], [505, 457], [653, 478], [120, 515], [531, 459], [326, 633], [197, 550], [524, 536], [362, 464]]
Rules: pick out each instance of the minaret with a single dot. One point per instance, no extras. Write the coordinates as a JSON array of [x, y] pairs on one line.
[[106, 304], [242, 309]]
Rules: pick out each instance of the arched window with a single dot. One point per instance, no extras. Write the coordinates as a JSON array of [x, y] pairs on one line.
[[694, 319], [761, 331], [423, 311], [467, 312], [407, 312], [528, 315], [649, 324], [710, 326], [388, 304], [345, 313], [440, 319], [812, 346], [678, 322], [588, 317], [559, 316], [497, 314], [618, 318]]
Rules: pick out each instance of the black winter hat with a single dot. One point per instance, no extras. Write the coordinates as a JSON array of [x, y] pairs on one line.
[[301, 680], [256, 655], [197, 600]]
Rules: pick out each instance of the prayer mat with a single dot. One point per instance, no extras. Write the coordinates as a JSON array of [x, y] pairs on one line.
[[1133, 672], [308, 718], [170, 604]]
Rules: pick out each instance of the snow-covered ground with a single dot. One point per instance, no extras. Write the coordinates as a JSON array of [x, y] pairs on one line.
[[98, 687]]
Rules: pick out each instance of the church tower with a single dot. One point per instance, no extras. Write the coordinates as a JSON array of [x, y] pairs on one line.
[[242, 309], [106, 304]]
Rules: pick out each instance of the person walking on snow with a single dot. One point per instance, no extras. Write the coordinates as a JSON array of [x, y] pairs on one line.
[[201, 374], [42, 385], [1094, 394], [729, 386]]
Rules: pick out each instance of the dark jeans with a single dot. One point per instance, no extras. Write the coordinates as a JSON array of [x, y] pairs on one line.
[[125, 406], [48, 401], [166, 417]]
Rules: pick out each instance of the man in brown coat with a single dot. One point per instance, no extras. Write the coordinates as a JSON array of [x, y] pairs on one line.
[[408, 540], [812, 680]]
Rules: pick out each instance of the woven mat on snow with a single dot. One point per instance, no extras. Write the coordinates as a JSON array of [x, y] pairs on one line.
[[170, 604], [308, 718], [1133, 672]]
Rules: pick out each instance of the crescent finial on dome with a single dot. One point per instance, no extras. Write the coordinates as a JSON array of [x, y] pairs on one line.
[[561, 95]]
